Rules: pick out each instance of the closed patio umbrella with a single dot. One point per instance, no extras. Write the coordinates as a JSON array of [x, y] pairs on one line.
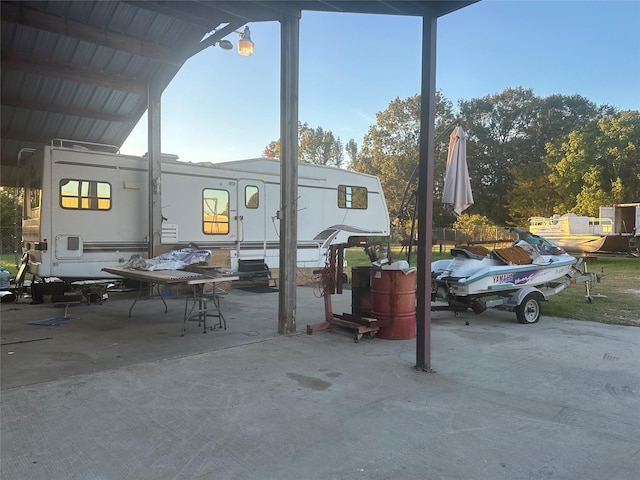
[[457, 195]]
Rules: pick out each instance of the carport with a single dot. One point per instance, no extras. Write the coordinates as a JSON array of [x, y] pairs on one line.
[[89, 71]]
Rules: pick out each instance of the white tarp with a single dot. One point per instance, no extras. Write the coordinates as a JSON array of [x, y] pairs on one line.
[[457, 195]]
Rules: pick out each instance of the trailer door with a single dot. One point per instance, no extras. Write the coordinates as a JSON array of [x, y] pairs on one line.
[[252, 220], [627, 217]]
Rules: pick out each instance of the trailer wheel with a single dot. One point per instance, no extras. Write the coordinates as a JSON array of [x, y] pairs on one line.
[[529, 309]]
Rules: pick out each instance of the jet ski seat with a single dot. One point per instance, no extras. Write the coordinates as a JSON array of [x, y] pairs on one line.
[[468, 251], [475, 249], [513, 255]]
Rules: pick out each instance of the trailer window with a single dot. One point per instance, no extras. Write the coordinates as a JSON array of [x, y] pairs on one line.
[[352, 197], [251, 199], [34, 198], [85, 194], [215, 211]]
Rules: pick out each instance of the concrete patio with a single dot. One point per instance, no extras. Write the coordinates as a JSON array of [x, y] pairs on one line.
[[112, 397]]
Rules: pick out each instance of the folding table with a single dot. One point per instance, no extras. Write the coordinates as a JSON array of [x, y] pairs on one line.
[[203, 306]]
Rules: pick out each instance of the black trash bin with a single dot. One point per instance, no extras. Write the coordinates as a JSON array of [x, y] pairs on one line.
[[361, 291]]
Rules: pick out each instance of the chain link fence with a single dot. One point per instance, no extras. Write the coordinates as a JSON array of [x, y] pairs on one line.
[[10, 244], [476, 234], [444, 239]]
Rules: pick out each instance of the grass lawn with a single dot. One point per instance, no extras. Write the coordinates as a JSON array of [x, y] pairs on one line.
[[620, 285], [8, 261]]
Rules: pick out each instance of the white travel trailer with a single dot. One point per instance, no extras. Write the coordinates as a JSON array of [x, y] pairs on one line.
[[86, 208]]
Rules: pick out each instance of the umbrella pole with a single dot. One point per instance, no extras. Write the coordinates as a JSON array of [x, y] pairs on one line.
[[413, 226]]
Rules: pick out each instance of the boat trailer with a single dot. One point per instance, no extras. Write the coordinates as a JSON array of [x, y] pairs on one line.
[[525, 302]]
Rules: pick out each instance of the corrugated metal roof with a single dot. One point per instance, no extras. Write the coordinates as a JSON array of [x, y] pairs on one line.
[[80, 70]]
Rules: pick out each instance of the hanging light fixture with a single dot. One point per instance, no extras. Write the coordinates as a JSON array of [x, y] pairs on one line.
[[245, 45], [225, 44]]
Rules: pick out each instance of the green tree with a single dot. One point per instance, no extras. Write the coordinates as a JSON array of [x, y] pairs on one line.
[[467, 222], [497, 134], [320, 147], [598, 164], [475, 226], [531, 194], [315, 145], [272, 150], [391, 148], [352, 150], [506, 147], [553, 117], [592, 196], [9, 211]]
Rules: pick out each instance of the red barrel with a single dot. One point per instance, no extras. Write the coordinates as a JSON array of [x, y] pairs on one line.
[[393, 300]]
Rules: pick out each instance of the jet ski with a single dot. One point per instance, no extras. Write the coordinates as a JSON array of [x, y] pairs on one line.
[[530, 263]]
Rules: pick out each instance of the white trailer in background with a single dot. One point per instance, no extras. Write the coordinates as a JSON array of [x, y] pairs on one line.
[[86, 208], [615, 231]]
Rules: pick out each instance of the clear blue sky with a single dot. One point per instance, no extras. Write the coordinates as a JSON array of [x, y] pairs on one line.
[[222, 106]]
